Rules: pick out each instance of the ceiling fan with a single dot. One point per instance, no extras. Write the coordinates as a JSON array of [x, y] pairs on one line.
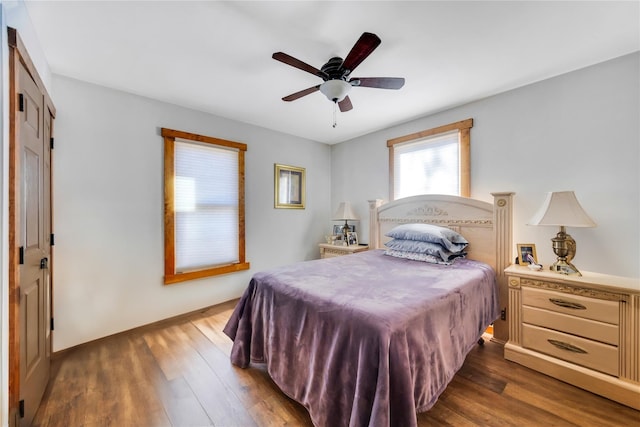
[[336, 74]]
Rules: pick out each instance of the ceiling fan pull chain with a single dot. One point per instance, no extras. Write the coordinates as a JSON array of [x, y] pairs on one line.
[[335, 113]]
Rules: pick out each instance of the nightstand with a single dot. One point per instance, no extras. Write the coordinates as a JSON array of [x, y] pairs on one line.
[[329, 251], [582, 330]]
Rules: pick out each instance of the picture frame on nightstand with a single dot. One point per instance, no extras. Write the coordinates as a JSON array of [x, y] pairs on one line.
[[525, 249], [337, 229], [352, 238]]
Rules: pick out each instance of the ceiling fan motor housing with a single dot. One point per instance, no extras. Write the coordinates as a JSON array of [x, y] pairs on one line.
[[333, 69]]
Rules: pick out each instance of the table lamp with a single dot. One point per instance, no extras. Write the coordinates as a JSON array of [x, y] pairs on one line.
[[561, 208], [344, 213]]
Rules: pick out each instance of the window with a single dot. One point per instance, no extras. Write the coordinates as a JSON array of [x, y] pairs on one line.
[[434, 161], [204, 206]]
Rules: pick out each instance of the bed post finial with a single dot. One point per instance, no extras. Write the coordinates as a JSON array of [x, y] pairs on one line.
[[503, 223], [374, 228]]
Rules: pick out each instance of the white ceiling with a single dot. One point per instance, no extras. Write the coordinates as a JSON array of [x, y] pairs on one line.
[[215, 56]]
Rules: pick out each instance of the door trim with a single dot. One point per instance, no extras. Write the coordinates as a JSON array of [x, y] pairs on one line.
[[17, 54]]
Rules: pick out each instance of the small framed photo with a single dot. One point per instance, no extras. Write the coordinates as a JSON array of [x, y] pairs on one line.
[[337, 229], [289, 187], [527, 253], [352, 238]]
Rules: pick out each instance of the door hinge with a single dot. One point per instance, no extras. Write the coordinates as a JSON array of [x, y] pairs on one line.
[[21, 255], [52, 323], [503, 314], [53, 240], [21, 408], [51, 143], [20, 102]]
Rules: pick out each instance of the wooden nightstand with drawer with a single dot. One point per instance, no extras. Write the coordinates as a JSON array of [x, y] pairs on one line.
[[583, 330], [329, 251]]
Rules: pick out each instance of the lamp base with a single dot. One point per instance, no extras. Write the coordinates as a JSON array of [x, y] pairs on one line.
[[564, 267], [345, 229], [565, 248]]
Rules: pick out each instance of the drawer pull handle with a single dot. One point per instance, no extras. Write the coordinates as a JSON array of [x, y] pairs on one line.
[[567, 304], [566, 346]]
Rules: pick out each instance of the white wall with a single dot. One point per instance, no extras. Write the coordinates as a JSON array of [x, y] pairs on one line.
[[108, 207], [579, 131]]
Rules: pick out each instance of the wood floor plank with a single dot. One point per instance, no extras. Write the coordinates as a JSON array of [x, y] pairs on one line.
[[154, 380], [271, 412], [103, 385], [248, 386], [566, 412], [221, 404], [179, 399], [212, 327], [182, 405], [481, 377], [579, 401], [63, 415], [512, 412], [177, 373], [443, 416], [170, 365], [118, 387]]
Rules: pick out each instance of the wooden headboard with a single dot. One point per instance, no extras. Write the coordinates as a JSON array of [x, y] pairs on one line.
[[487, 227]]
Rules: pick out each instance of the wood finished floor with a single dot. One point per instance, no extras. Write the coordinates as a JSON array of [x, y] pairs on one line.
[[178, 374]]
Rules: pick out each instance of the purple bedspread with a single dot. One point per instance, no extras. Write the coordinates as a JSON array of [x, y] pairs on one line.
[[364, 339]]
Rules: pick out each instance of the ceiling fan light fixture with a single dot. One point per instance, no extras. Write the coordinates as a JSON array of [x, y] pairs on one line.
[[335, 90]]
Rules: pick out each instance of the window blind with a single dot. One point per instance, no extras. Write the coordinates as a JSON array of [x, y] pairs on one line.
[[206, 206], [427, 166]]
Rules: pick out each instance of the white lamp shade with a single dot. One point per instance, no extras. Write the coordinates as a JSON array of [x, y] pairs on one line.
[[561, 208], [335, 90], [344, 212]]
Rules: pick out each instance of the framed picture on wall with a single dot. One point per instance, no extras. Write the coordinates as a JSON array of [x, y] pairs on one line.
[[289, 187], [527, 253]]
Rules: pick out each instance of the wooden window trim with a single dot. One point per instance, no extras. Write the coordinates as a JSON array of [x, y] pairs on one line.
[[170, 276], [463, 127]]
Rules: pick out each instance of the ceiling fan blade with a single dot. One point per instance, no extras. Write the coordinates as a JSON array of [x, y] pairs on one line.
[[378, 82], [345, 104], [300, 94], [366, 44], [290, 60]]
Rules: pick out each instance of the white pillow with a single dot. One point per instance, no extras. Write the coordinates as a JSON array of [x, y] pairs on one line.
[[446, 237], [420, 257], [419, 247]]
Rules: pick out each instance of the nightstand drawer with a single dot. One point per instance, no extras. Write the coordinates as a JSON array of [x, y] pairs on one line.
[[591, 354], [586, 328], [574, 305], [330, 251]]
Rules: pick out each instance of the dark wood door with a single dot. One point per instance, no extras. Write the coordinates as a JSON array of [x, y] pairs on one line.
[[34, 224]]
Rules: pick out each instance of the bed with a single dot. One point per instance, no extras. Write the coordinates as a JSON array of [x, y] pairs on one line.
[[369, 339]]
